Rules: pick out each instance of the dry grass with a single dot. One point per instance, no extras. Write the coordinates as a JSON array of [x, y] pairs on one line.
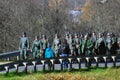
[[94, 74]]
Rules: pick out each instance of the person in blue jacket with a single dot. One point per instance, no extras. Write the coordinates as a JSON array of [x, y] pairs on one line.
[[49, 54]]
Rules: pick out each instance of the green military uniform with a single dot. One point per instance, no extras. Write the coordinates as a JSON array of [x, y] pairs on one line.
[[67, 37], [71, 45], [36, 48], [44, 45], [77, 44], [87, 46], [118, 41], [115, 46], [100, 46], [24, 46], [56, 46], [94, 39], [110, 43]]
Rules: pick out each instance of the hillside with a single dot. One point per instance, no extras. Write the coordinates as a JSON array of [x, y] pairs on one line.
[[38, 17]]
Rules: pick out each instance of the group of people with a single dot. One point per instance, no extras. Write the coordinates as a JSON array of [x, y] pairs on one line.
[[70, 45]]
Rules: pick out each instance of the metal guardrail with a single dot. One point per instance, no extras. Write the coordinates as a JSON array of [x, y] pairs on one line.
[[70, 59], [16, 54], [53, 61], [8, 55]]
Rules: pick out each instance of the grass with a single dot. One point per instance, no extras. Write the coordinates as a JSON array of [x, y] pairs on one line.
[[93, 74]]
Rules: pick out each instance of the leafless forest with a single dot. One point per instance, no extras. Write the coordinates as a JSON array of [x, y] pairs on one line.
[[37, 17]]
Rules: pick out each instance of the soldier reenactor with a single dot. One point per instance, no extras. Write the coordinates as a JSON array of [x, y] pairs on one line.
[[94, 39], [24, 46], [87, 46], [100, 46], [67, 37], [108, 43], [45, 43], [56, 45], [111, 43], [36, 47], [77, 41], [118, 42], [114, 44], [71, 45]]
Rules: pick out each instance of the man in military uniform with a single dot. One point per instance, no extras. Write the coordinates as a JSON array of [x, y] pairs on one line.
[[87, 45], [67, 37], [111, 43], [118, 41], [114, 44], [100, 46], [24, 46], [56, 45], [94, 39], [36, 47], [108, 43], [77, 41], [71, 45], [44, 44]]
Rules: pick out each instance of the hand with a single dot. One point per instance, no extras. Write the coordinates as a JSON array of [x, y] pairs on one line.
[[77, 46], [87, 47], [19, 48]]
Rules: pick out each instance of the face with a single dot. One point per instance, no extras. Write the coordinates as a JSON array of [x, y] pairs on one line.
[[86, 37], [100, 35], [93, 34], [36, 37], [23, 35], [76, 36], [44, 37], [56, 36], [67, 37]]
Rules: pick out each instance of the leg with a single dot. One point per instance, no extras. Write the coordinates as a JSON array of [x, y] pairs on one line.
[[21, 54], [25, 54]]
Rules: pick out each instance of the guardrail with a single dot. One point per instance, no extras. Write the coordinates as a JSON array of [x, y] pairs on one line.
[[87, 60], [16, 54], [9, 55]]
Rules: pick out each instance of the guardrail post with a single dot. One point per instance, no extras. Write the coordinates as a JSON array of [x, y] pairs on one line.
[[105, 59], [96, 59], [7, 69], [52, 61], [25, 64], [88, 62], [79, 63], [16, 67], [34, 64], [18, 58], [8, 59], [70, 60], [61, 63], [43, 63], [114, 61]]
